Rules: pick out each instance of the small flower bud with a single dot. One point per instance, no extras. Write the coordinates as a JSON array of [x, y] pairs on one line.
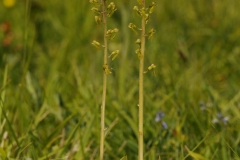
[[98, 20], [115, 30], [111, 33], [146, 18], [133, 27], [135, 8], [151, 7], [151, 33], [142, 13], [95, 10], [111, 9], [106, 69], [93, 1], [151, 67], [138, 52], [114, 54], [138, 41], [96, 44]]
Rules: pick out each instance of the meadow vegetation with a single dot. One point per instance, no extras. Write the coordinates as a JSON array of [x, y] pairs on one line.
[[51, 82]]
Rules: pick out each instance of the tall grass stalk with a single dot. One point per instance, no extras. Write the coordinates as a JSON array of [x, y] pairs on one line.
[[26, 59], [141, 90], [144, 13], [105, 60], [125, 47], [105, 12], [3, 93]]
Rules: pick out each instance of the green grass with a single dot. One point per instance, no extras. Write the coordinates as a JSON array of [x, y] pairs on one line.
[[51, 108]]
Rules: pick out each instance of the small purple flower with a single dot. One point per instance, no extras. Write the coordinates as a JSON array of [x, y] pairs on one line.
[[225, 120], [159, 116], [219, 115], [203, 105], [215, 120], [164, 124], [220, 118]]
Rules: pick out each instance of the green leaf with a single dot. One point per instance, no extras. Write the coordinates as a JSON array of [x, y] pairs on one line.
[[3, 154], [53, 137], [12, 131], [196, 156], [124, 158]]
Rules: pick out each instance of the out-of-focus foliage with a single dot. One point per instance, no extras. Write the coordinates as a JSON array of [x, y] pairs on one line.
[[53, 89]]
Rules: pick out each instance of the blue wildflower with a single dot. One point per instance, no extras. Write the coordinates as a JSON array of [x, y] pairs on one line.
[[158, 118], [220, 119]]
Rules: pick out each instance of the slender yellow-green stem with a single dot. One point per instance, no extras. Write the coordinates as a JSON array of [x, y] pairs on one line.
[[141, 91], [2, 98], [125, 46], [104, 17], [26, 59]]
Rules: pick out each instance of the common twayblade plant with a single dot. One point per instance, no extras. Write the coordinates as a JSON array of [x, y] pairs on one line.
[[143, 12], [104, 9]]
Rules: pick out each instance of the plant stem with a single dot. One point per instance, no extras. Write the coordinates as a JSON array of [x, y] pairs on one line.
[[126, 37], [2, 96], [104, 83], [141, 91]]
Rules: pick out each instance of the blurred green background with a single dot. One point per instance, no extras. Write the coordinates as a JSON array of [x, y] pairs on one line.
[[51, 81]]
